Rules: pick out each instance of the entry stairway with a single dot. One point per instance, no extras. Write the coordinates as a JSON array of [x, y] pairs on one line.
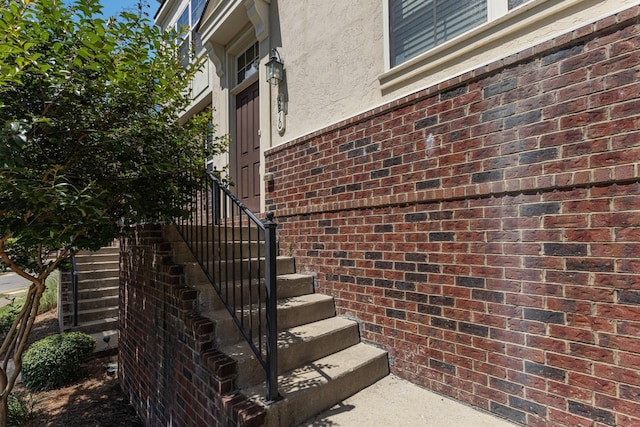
[[98, 275], [321, 360]]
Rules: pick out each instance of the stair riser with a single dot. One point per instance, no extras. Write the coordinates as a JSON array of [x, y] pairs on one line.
[[209, 301], [97, 266], [287, 288], [98, 275], [222, 251], [108, 255], [213, 232], [90, 329], [98, 315], [98, 293], [228, 333], [296, 316], [235, 271], [297, 353], [108, 251], [244, 269], [108, 302], [302, 406], [92, 284]]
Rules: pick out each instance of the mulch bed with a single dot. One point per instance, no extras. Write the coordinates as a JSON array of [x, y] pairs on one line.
[[94, 401]]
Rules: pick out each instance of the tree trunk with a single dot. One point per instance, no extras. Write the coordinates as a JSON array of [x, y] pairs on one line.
[[4, 410], [15, 343]]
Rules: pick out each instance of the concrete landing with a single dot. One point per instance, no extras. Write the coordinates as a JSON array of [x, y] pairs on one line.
[[394, 402]]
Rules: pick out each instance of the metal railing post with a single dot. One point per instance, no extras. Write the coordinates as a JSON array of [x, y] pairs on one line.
[[271, 314], [216, 199], [74, 289]]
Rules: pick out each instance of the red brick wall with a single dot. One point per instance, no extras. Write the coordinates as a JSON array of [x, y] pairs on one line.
[[486, 231], [168, 366]]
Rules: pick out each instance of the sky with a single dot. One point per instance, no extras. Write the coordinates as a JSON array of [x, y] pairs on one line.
[[113, 7]]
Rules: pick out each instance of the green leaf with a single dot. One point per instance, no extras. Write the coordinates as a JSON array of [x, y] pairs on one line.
[[88, 126]]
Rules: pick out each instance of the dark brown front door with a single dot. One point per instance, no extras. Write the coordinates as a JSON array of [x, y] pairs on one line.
[[248, 147]]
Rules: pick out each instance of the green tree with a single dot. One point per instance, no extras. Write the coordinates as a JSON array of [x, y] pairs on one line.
[[90, 139]]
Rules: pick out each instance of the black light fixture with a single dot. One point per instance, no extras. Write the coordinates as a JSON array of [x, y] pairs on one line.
[[275, 68]]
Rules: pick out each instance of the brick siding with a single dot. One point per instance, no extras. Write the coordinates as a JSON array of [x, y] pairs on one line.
[[486, 231], [168, 366]]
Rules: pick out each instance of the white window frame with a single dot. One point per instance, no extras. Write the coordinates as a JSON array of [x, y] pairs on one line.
[[495, 10], [477, 47], [250, 68], [189, 36]]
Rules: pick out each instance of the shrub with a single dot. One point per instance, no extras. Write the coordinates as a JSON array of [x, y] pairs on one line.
[[22, 409], [56, 360], [8, 315], [49, 301]]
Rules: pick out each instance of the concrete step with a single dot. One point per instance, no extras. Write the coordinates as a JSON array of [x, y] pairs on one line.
[[98, 264], [240, 269], [107, 273], [243, 269], [110, 254], [100, 292], [92, 314], [300, 310], [220, 250], [296, 346], [294, 284], [320, 384], [292, 312], [99, 325], [107, 282], [288, 285], [208, 233], [107, 250], [85, 304]]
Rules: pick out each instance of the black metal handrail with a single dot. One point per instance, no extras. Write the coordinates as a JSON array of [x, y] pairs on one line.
[[237, 252]]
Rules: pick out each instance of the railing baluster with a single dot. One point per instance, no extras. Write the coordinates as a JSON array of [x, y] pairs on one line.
[[225, 230], [272, 315], [74, 288], [260, 304], [216, 233], [207, 191], [250, 281]]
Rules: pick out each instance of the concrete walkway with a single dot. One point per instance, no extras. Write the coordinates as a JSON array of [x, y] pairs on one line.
[[394, 402]]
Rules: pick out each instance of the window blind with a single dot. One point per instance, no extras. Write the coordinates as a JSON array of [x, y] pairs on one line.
[[419, 25], [515, 3]]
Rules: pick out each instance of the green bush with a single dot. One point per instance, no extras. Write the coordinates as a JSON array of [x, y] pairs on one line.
[[56, 360], [22, 409], [8, 315], [49, 301]]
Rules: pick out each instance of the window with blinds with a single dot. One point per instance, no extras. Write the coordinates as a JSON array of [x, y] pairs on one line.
[[419, 25], [515, 3], [188, 19]]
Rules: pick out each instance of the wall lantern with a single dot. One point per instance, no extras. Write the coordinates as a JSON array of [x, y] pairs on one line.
[[275, 68]]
